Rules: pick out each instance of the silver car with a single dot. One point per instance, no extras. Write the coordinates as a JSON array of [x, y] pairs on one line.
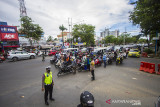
[[18, 55]]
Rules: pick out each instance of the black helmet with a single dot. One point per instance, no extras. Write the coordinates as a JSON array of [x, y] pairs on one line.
[[87, 99]]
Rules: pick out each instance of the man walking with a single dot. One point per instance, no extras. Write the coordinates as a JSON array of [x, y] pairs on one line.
[[47, 85], [92, 67]]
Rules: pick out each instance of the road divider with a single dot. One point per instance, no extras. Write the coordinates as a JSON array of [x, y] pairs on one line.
[[148, 67], [142, 66]]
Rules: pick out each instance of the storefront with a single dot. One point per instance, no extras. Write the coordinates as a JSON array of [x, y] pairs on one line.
[[8, 37]]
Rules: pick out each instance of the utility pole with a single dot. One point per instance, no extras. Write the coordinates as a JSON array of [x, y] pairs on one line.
[[124, 35], [69, 31]]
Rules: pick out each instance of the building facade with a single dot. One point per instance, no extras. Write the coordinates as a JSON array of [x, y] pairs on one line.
[[106, 32], [66, 36], [8, 37]]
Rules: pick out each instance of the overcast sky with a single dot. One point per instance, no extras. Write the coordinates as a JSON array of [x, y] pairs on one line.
[[50, 14]]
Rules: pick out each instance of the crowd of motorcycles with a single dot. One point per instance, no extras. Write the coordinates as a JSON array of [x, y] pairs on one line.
[[67, 66]]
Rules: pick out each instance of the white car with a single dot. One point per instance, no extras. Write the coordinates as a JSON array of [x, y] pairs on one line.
[[18, 55]]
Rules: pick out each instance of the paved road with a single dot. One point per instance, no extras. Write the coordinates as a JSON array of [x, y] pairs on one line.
[[122, 82]]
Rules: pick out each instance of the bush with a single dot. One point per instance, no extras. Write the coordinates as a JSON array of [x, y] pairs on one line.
[[148, 51]]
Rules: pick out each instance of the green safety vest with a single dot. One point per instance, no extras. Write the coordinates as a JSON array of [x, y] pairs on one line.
[[48, 78]]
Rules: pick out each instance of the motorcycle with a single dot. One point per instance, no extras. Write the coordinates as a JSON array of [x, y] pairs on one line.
[[98, 62], [119, 60], [80, 67], [109, 61], [53, 59], [65, 70], [58, 63]]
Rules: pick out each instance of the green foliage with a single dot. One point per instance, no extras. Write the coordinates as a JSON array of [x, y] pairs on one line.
[[69, 40], [55, 39], [62, 28], [50, 39], [148, 50], [32, 31], [146, 14], [141, 41], [85, 32]]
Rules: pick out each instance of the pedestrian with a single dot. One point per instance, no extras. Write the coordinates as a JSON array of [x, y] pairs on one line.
[[92, 67], [43, 56], [85, 64], [88, 62], [115, 55], [127, 53], [74, 65], [47, 85], [104, 60]]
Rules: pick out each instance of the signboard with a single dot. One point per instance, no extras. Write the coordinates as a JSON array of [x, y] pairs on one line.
[[66, 44], [9, 36], [6, 29]]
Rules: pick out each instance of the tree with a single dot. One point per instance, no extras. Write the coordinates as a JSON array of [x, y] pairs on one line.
[[110, 39], [50, 39], [55, 39], [69, 40], [141, 41], [146, 14], [85, 32], [62, 28], [32, 31]]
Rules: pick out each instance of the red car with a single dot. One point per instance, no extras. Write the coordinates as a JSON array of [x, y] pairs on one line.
[[52, 52]]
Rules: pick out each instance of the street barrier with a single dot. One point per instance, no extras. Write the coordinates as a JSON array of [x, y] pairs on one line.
[[142, 66], [146, 66], [151, 68], [158, 69]]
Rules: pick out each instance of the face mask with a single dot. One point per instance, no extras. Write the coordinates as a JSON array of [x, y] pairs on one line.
[[48, 71]]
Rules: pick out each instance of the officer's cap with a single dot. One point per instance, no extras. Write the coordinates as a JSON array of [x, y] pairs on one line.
[[49, 67]]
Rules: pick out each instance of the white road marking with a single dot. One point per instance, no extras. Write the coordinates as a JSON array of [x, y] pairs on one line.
[[134, 78]]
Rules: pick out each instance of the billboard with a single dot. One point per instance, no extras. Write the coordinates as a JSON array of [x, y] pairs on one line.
[[8, 33], [7, 29], [9, 36]]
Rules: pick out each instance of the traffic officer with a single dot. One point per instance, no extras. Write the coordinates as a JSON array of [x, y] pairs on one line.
[[47, 85]]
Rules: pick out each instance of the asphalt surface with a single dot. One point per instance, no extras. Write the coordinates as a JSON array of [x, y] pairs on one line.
[[20, 84]]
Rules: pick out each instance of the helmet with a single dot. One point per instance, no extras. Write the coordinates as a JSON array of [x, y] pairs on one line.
[[87, 99]]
